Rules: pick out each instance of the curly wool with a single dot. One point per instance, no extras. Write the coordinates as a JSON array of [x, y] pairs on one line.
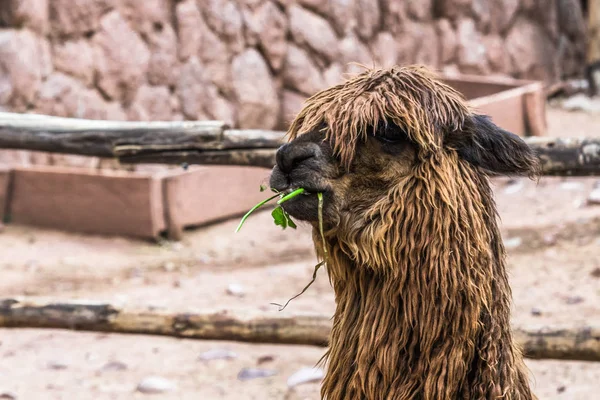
[[423, 300]]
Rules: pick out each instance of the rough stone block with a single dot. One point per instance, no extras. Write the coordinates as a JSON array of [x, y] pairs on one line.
[[22, 67], [77, 17], [123, 58]]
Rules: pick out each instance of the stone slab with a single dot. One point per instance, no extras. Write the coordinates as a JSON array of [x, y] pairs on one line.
[[83, 201], [210, 194], [4, 190], [513, 104]]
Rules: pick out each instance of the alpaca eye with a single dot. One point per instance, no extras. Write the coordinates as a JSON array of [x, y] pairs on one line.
[[391, 133], [388, 139]]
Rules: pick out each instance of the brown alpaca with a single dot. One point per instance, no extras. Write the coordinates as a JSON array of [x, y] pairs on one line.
[[415, 255]]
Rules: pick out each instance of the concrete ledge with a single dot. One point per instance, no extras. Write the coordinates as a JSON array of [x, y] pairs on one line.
[[88, 202], [210, 194], [137, 204]]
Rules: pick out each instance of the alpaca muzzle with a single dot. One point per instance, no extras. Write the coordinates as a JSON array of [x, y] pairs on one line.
[[300, 165]]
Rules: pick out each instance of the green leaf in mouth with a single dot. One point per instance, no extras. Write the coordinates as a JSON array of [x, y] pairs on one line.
[[279, 217]]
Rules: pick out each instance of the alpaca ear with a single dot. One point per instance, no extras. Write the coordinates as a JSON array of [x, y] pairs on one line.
[[486, 145]]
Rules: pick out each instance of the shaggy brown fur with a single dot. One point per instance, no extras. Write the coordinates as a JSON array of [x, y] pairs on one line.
[[416, 258]]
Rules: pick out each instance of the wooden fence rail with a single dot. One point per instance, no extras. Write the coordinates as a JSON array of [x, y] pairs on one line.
[[582, 343], [212, 143]]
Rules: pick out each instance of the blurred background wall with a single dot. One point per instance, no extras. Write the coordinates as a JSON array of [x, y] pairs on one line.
[[252, 62]]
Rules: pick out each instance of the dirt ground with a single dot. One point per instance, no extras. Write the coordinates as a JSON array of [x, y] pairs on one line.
[[552, 234]]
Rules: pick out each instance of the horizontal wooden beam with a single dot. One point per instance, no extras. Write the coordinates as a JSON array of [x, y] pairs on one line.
[[581, 343], [211, 143], [577, 156], [264, 158]]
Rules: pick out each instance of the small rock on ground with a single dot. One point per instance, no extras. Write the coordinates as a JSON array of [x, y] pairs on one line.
[[574, 300], [57, 365], [594, 197], [8, 396], [114, 366], [217, 354], [155, 384], [305, 375], [571, 185], [265, 359], [536, 312], [247, 374], [513, 243], [235, 289], [581, 102]]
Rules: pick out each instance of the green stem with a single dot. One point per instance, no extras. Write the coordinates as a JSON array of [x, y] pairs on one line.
[[320, 196], [319, 265], [252, 210], [291, 195]]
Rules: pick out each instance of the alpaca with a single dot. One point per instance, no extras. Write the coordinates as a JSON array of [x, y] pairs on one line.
[[415, 256]]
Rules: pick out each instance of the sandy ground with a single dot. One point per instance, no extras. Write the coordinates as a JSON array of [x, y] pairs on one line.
[[553, 238]]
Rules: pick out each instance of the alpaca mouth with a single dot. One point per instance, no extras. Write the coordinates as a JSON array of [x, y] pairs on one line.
[[307, 191], [305, 206]]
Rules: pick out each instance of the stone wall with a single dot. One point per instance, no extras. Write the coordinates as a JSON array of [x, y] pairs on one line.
[[252, 62]]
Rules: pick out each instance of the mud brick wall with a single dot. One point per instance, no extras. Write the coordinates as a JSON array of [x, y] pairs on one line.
[[252, 62]]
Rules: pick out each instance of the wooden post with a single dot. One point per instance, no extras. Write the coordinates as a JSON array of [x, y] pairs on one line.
[[593, 47]]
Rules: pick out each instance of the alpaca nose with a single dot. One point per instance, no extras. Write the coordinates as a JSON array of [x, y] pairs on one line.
[[290, 155]]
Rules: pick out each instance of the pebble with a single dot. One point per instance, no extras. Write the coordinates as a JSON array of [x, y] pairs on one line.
[[536, 312], [305, 375], [265, 359], [578, 203], [581, 102], [595, 273], [57, 365], [235, 289], [513, 243], [203, 259], [247, 374], [574, 300], [569, 185], [594, 197], [169, 266], [114, 366], [155, 384], [550, 239], [8, 396], [177, 246], [217, 354], [514, 187]]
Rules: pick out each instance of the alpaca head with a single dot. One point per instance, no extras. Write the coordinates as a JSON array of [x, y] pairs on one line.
[[362, 142], [416, 257]]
